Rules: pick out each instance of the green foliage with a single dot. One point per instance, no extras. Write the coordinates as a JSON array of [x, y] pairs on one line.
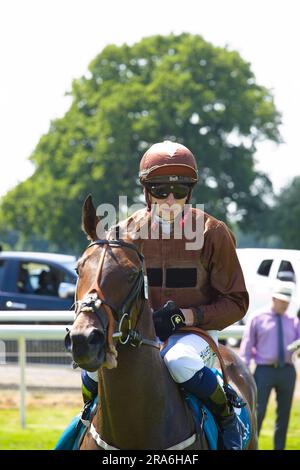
[[258, 239], [180, 88], [285, 217]]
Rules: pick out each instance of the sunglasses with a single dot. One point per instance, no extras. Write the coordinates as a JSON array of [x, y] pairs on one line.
[[162, 191]]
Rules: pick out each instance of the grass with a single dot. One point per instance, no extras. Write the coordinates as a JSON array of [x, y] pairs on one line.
[[45, 425], [267, 430]]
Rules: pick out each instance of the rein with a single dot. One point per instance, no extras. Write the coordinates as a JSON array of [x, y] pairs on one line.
[[95, 299]]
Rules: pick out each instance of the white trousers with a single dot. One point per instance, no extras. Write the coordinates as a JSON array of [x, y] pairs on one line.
[[93, 375], [187, 354]]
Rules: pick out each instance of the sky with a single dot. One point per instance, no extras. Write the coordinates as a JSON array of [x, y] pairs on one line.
[[45, 44]]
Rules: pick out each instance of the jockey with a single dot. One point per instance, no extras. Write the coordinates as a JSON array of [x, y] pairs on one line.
[[198, 286]]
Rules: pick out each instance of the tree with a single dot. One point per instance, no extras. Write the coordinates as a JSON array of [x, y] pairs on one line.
[[285, 218], [180, 88]]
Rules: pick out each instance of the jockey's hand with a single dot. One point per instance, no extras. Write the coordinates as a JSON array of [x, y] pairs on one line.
[[167, 320]]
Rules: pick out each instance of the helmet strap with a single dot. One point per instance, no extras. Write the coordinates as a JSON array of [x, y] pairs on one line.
[[147, 198], [189, 195]]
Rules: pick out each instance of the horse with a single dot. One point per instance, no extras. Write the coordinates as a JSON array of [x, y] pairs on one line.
[[139, 404]]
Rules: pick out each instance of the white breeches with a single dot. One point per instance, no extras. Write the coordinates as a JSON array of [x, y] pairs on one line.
[[93, 375], [187, 354]]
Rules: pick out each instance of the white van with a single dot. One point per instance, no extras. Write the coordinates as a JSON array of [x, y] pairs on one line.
[[261, 267]]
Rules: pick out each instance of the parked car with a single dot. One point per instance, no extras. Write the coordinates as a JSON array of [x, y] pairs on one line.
[[261, 267], [36, 281]]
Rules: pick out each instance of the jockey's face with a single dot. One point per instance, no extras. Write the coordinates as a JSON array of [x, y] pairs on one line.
[[168, 208]]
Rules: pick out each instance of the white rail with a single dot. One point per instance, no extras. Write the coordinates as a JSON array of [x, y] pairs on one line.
[[21, 333], [32, 331], [59, 332], [34, 315]]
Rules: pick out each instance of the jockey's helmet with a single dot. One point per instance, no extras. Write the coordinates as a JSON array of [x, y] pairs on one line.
[[168, 162]]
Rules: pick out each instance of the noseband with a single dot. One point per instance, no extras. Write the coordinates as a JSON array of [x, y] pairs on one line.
[[95, 299]]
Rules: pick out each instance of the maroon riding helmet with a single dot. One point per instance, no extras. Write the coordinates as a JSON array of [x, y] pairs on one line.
[[168, 162]]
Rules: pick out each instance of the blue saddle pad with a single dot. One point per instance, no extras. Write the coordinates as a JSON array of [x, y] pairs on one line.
[[75, 431], [69, 437], [210, 427]]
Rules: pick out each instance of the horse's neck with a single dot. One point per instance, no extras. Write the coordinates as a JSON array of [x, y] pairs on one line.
[[140, 405]]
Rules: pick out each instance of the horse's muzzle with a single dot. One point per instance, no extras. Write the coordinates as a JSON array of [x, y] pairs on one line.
[[87, 347]]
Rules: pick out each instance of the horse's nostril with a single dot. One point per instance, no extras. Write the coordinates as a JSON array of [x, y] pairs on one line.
[[96, 338], [68, 341]]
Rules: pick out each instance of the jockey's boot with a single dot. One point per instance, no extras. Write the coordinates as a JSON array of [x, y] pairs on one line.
[[89, 386], [206, 387]]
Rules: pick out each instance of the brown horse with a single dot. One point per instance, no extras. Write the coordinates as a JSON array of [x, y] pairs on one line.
[[140, 406]]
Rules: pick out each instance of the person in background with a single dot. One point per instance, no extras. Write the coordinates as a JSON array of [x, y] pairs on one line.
[[266, 339], [46, 284], [24, 285]]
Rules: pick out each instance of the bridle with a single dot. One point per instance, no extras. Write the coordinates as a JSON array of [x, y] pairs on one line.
[[94, 300]]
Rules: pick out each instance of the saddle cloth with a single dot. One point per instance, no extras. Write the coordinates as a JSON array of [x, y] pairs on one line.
[[73, 435]]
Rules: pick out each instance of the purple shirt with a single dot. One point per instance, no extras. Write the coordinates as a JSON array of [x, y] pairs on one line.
[[260, 341]]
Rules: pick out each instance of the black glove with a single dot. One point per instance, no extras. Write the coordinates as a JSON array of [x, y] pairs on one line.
[[167, 320]]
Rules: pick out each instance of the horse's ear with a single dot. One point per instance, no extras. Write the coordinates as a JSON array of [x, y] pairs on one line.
[[90, 220]]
